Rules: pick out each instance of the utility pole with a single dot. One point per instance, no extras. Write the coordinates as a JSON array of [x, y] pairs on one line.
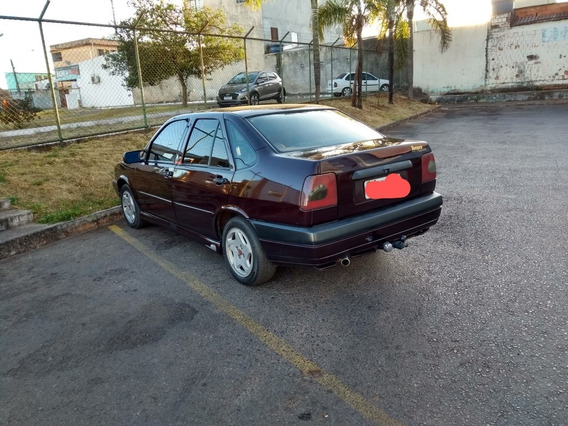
[[15, 76]]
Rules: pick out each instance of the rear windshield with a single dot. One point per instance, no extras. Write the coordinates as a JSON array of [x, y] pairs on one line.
[[305, 130]]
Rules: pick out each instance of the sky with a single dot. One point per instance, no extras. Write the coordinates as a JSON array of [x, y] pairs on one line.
[[20, 43]]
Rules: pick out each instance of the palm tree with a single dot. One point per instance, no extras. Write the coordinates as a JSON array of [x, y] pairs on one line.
[[438, 19], [316, 41], [397, 23], [353, 15]]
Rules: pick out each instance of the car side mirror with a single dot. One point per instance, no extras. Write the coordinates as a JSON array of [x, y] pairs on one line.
[[132, 157]]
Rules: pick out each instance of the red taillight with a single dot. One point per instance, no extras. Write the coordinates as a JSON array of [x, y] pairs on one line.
[[319, 191], [428, 167]]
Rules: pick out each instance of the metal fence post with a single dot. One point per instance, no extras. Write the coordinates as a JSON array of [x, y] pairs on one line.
[[49, 77], [140, 81], [280, 64], [331, 69], [246, 63], [310, 66]]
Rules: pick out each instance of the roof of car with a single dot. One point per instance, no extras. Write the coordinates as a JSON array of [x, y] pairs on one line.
[[248, 110], [254, 110]]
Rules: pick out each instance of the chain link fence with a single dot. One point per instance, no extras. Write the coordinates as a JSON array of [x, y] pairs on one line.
[[119, 82]]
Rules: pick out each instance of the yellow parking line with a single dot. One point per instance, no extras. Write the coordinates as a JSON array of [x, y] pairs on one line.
[[278, 345]]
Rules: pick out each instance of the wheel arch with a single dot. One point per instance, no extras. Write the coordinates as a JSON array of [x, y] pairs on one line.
[[224, 216], [121, 181]]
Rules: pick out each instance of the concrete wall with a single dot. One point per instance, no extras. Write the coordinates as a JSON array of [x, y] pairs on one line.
[[294, 16], [493, 56], [528, 55], [461, 68]]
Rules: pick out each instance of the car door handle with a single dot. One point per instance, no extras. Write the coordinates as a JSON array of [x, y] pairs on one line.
[[220, 180], [166, 172]]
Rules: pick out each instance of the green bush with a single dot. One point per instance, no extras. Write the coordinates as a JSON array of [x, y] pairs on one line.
[[17, 112]]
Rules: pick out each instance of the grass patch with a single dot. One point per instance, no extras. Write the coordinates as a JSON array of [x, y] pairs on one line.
[[65, 182]]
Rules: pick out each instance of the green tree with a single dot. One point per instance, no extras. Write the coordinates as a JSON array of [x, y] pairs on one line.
[[171, 41]]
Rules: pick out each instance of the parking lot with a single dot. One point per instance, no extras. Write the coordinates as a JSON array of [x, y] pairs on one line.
[[468, 325]]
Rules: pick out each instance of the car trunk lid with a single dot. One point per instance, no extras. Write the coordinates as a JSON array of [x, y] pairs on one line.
[[373, 174]]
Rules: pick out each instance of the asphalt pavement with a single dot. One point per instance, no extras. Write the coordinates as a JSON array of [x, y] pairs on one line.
[[466, 326]]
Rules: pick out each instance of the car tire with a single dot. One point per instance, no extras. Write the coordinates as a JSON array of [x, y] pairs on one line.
[[346, 91], [254, 98], [384, 88], [130, 208], [244, 254]]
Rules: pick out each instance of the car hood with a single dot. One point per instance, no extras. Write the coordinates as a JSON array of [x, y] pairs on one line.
[[231, 88]]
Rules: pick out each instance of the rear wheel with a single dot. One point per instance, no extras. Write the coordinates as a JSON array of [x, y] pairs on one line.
[[244, 255], [346, 91], [130, 208], [384, 88], [254, 98]]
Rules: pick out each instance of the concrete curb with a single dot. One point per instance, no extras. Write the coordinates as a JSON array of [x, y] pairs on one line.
[[490, 98], [405, 120], [42, 235]]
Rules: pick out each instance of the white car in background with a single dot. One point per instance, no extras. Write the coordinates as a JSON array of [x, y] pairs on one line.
[[343, 84]]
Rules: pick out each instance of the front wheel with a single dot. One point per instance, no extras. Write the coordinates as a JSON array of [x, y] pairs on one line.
[[130, 208], [244, 255], [254, 98]]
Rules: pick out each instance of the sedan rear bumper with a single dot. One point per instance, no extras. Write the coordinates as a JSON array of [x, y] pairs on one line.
[[323, 245]]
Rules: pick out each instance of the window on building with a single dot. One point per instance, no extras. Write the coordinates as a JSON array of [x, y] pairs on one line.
[[196, 4], [294, 37], [274, 34], [57, 56]]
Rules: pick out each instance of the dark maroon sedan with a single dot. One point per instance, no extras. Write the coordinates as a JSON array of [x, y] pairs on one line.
[[280, 184]]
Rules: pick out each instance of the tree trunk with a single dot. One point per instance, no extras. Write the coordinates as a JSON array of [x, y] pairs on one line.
[[357, 96], [315, 36], [410, 64], [391, 60], [183, 85]]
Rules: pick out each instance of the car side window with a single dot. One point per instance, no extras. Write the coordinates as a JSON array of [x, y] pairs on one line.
[[243, 153], [166, 146], [206, 145], [370, 77]]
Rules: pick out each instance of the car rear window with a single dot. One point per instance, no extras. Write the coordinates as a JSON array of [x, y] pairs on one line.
[[303, 130]]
